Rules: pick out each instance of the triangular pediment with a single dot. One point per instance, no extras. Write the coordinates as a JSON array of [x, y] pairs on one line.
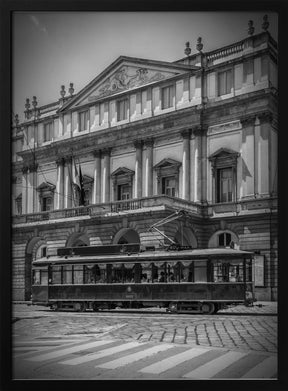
[[122, 171], [222, 153], [126, 73], [167, 163], [46, 186]]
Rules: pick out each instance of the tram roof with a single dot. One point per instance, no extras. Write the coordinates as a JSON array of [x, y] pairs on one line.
[[149, 256]]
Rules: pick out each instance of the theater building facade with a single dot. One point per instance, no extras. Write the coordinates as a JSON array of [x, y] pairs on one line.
[[152, 138]]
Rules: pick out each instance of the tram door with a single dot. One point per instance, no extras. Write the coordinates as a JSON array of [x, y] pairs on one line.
[[200, 271]]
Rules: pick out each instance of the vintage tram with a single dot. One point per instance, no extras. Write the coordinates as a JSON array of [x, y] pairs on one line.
[[106, 277]]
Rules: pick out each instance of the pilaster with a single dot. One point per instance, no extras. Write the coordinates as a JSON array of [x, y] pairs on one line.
[[138, 144]]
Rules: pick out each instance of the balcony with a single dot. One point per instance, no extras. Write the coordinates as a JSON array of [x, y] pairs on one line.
[[149, 204], [139, 205]]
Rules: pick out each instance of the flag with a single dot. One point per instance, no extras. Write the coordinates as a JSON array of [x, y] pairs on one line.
[[75, 175], [82, 192]]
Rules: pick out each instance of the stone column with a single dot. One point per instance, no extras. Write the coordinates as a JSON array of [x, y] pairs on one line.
[[24, 189], [96, 196], [186, 165], [68, 195], [262, 154], [105, 186], [149, 168], [197, 164], [30, 192], [138, 169], [204, 165], [60, 188], [248, 157]]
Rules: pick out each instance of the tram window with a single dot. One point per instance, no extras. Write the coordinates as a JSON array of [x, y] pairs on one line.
[[100, 274], [137, 272], [117, 274], [90, 274], [227, 271], [44, 277], [146, 273], [200, 271], [154, 273], [78, 274], [36, 277], [56, 274], [67, 274]]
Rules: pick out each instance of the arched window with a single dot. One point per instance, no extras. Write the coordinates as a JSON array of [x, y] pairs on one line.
[[224, 239]]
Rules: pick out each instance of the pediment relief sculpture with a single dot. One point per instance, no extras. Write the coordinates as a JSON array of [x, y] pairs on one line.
[[126, 78]]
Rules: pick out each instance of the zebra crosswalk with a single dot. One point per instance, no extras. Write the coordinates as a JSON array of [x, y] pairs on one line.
[[110, 358]]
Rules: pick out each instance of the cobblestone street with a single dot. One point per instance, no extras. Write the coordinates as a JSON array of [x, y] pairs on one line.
[[245, 328]]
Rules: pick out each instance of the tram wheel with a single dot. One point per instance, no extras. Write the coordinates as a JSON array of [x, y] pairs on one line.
[[208, 308], [95, 307]]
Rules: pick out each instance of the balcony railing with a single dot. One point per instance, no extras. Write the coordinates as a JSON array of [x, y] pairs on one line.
[[148, 204], [139, 204]]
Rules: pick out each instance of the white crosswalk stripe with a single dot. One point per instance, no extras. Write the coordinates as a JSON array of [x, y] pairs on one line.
[[120, 362], [87, 350], [64, 352], [213, 367], [264, 369], [171, 362], [102, 353]]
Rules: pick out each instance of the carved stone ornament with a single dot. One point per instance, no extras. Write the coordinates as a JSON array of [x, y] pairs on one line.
[[149, 142], [248, 120], [186, 133], [138, 144], [60, 161], [122, 80], [265, 117]]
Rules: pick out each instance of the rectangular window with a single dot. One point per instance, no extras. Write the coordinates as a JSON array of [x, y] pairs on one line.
[[83, 121], [19, 205], [48, 129], [169, 186], [224, 82], [46, 204], [167, 97], [124, 192], [122, 109], [225, 185]]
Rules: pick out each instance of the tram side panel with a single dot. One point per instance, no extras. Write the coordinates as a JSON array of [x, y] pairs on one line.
[[226, 292]]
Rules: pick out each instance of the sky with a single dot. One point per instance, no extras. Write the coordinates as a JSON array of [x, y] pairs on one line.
[[50, 49]]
